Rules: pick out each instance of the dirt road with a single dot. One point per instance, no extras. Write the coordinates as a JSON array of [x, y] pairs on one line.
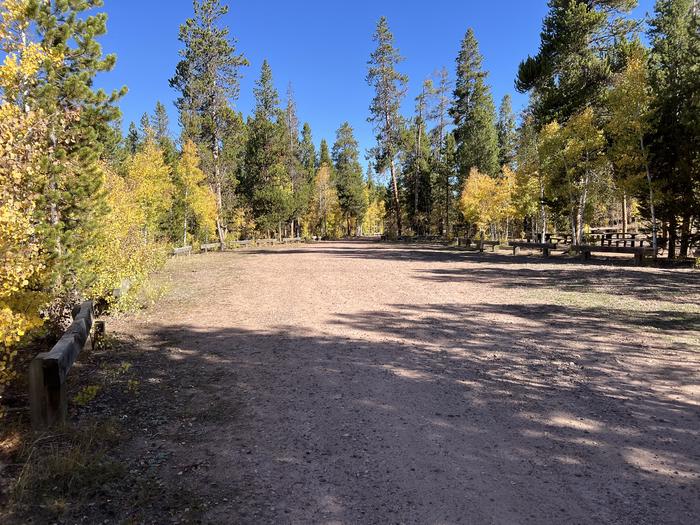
[[370, 383]]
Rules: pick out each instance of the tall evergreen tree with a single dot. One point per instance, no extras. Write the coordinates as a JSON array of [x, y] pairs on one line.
[[572, 67], [146, 129], [307, 152], [348, 176], [416, 164], [266, 183], [82, 122], [160, 127], [473, 112], [324, 156], [132, 139], [439, 109], [160, 122], [207, 78], [294, 166], [507, 136], [390, 88], [675, 140]]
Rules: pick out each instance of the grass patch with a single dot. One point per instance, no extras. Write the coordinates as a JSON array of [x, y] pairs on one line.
[[72, 465]]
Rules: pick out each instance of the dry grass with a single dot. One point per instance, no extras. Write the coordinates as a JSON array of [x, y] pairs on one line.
[[70, 465]]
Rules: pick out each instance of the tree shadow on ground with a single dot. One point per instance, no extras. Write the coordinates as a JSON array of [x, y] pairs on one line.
[[485, 413]]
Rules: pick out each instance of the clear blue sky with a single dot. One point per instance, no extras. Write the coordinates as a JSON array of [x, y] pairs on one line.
[[322, 48]]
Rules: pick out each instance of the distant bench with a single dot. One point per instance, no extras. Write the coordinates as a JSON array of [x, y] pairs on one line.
[[185, 250], [639, 251], [213, 246], [481, 244], [546, 247]]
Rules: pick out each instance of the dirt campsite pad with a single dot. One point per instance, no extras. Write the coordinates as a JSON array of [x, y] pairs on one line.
[[383, 383]]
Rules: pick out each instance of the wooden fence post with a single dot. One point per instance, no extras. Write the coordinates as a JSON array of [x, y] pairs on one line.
[[48, 401]]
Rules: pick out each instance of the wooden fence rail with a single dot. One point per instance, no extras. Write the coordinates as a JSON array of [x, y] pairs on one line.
[[48, 402]]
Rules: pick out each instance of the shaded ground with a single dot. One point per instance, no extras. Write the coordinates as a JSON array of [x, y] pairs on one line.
[[376, 383]]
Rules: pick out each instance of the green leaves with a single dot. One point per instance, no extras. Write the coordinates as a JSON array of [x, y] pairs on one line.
[[473, 112]]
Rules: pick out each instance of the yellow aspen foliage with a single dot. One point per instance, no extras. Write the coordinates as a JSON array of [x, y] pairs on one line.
[[488, 202], [373, 221], [122, 259], [199, 200], [23, 59], [325, 217], [478, 200], [150, 186], [21, 258]]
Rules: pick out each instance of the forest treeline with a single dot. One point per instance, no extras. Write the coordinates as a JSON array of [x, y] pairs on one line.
[[611, 132]]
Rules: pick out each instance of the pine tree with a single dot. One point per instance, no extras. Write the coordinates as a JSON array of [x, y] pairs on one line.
[[572, 67], [266, 95], [159, 123], [348, 176], [82, 122], [295, 169], [132, 139], [207, 78], [473, 112], [324, 156], [416, 164], [147, 131], [443, 156], [675, 140], [507, 135], [440, 105], [307, 152], [266, 183], [390, 88]]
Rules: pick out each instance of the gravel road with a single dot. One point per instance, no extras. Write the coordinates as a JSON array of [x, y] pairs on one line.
[[381, 383]]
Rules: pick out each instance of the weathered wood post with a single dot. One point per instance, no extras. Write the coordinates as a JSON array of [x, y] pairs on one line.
[[48, 401]]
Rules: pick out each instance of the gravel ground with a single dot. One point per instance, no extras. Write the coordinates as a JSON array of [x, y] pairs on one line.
[[382, 383]]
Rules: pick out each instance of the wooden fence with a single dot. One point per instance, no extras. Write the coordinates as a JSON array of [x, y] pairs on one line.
[[48, 402]]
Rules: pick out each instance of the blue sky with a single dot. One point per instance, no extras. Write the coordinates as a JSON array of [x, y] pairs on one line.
[[322, 48]]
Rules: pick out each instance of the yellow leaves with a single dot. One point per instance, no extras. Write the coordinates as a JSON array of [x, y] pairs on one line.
[[122, 254], [325, 216], [486, 200], [199, 200], [150, 186], [24, 59], [373, 221], [21, 260]]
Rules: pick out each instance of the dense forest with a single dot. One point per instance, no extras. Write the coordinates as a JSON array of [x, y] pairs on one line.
[[610, 136]]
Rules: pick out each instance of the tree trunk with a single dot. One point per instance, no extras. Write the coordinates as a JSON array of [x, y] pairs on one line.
[[654, 236], [447, 203], [624, 212], [685, 235], [543, 213], [397, 202], [672, 236], [580, 212]]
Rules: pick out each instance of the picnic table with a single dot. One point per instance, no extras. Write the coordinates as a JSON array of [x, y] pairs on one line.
[[617, 239]]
